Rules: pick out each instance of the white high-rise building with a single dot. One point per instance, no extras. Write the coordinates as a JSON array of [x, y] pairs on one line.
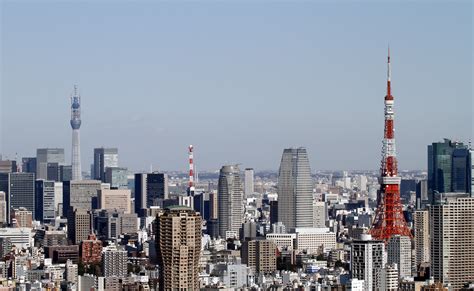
[[319, 214], [421, 221], [362, 182], [389, 278], [399, 253], [295, 189], [230, 200], [249, 182], [114, 262], [367, 260], [452, 241]]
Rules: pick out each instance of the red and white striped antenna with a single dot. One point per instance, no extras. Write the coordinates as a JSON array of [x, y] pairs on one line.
[[191, 170]]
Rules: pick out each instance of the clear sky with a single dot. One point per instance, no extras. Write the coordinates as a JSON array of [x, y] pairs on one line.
[[238, 80]]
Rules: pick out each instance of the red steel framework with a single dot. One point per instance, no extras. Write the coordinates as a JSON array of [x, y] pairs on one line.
[[389, 219]]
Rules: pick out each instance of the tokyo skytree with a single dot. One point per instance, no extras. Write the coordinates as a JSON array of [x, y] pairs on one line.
[[76, 143]]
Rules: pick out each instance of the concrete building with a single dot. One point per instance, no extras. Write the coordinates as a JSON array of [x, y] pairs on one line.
[[249, 182], [81, 194], [3, 208], [313, 240], [110, 224], [452, 241], [295, 189], [150, 190], [71, 271], [104, 158], [45, 204], [91, 250], [116, 177], [232, 275], [319, 214], [45, 156], [389, 278], [421, 226], [260, 255], [78, 225], [58, 198], [22, 217], [283, 241], [19, 189], [367, 260], [114, 261], [20, 237], [179, 248], [399, 254], [119, 199], [230, 206]]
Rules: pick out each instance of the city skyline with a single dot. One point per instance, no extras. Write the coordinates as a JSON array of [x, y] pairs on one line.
[[151, 119]]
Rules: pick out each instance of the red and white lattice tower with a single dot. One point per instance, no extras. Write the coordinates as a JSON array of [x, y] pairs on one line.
[[389, 219], [191, 171]]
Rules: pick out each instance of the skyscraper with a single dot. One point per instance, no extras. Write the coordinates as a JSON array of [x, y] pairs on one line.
[[230, 201], [81, 194], [104, 158], [78, 225], [29, 165], [76, 144], [45, 204], [249, 182], [448, 167], [399, 253], [150, 190], [421, 222], [295, 189], [44, 156], [20, 189], [367, 261], [178, 238], [452, 241], [116, 177]]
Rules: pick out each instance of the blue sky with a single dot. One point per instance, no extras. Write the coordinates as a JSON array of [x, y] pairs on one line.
[[238, 80]]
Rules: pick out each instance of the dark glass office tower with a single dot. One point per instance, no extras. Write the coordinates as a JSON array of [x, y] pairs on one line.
[[150, 190]]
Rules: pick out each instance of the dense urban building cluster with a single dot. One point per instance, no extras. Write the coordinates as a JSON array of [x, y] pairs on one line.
[[111, 228]]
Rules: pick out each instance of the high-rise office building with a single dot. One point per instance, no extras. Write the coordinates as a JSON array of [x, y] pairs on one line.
[[116, 177], [230, 201], [104, 158], [295, 189], [421, 226], [179, 248], [452, 241], [45, 156], [110, 224], [249, 182], [78, 225], [45, 204], [58, 198], [119, 199], [28, 165], [52, 172], [422, 198], [114, 261], [81, 194], [65, 173], [399, 253], [367, 261], [20, 189], [448, 167], [3, 208], [150, 190]]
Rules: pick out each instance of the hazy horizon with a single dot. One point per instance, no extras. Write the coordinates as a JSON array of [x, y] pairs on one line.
[[240, 81]]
